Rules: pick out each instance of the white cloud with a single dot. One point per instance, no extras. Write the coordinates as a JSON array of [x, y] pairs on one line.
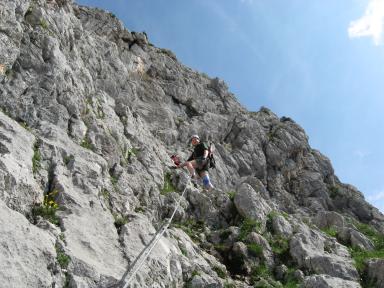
[[247, 1], [371, 24], [377, 196], [361, 153], [377, 199]]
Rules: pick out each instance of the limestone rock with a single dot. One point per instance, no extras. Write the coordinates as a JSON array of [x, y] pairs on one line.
[[281, 226], [201, 281], [375, 272], [135, 235], [361, 241], [281, 271], [91, 112], [326, 219], [355, 238], [307, 248], [267, 254], [250, 203], [18, 188], [28, 253], [325, 281]]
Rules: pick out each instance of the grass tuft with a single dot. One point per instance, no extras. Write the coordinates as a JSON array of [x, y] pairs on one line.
[[255, 249], [247, 227], [361, 256], [120, 221], [86, 144], [334, 191], [168, 185], [260, 271], [44, 24], [231, 195], [192, 228], [62, 258], [36, 158], [68, 158], [47, 209], [330, 231], [220, 272]]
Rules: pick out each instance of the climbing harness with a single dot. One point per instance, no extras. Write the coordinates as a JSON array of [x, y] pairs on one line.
[[140, 259]]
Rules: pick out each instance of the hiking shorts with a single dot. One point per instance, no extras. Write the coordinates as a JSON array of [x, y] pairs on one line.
[[202, 164]]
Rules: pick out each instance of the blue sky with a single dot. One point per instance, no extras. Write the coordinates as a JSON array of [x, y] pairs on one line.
[[319, 62]]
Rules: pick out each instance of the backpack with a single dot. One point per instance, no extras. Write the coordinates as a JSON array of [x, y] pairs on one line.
[[212, 161]]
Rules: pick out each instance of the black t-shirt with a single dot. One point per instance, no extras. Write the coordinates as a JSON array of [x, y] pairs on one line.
[[198, 151]]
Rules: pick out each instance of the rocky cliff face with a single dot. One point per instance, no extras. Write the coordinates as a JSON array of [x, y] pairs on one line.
[[91, 112]]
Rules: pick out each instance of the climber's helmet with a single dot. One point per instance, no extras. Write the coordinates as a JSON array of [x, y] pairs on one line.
[[195, 139]]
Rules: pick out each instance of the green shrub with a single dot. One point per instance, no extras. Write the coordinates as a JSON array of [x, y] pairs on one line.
[[169, 53], [231, 195], [376, 237], [131, 152], [86, 143], [255, 249], [330, 231], [272, 215], [228, 146], [114, 180], [195, 273], [260, 271], [229, 285], [120, 221], [247, 227], [24, 125], [68, 158], [29, 10], [67, 280], [36, 158], [139, 209], [361, 256], [47, 209], [168, 185], [285, 215], [62, 258], [222, 248], [179, 121], [44, 24], [192, 228], [280, 247], [334, 191], [290, 280], [188, 283], [225, 234], [291, 284], [105, 194], [183, 251], [220, 272]]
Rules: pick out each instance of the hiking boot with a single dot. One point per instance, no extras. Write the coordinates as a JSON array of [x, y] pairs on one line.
[[194, 181]]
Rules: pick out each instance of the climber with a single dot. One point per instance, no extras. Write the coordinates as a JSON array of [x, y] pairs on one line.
[[198, 162]]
